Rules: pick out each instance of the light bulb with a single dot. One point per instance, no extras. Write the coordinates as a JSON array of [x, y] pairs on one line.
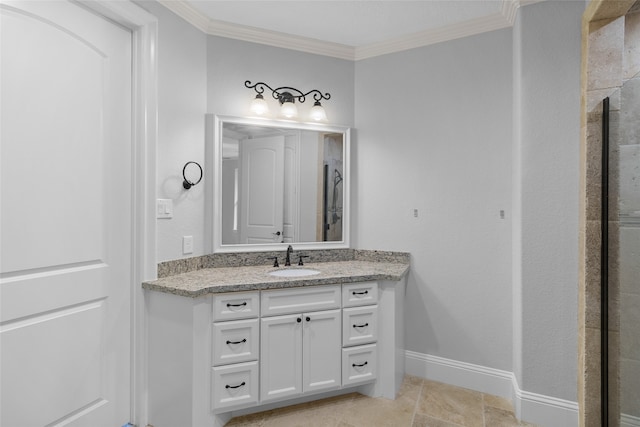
[[289, 110], [317, 113], [259, 106]]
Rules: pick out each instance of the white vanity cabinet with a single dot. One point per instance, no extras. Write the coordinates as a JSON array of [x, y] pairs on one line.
[[212, 356]]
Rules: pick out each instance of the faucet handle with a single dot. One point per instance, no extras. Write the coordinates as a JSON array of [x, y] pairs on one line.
[[275, 261], [302, 256]]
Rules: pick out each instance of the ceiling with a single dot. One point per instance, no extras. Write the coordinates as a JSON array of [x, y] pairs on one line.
[[355, 29]]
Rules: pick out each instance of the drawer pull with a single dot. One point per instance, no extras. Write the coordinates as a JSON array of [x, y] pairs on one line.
[[239, 385], [361, 326], [355, 365], [237, 342], [360, 293], [237, 305]]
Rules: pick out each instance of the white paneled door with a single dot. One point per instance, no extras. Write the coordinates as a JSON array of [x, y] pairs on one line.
[[66, 216]]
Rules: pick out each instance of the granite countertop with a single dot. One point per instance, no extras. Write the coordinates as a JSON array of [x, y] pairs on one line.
[[235, 279]]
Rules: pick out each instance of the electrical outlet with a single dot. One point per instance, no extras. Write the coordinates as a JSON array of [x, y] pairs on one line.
[[187, 244]]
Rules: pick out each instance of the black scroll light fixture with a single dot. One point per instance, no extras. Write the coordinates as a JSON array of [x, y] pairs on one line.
[[287, 96], [187, 184]]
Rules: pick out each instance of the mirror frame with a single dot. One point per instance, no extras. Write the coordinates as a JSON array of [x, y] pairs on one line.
[[218, 247]]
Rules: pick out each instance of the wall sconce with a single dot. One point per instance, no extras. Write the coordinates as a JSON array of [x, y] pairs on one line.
[[187, 184], [287, 96]]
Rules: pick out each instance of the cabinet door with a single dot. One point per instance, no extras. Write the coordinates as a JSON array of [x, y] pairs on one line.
[[280, 356], [321, 357]]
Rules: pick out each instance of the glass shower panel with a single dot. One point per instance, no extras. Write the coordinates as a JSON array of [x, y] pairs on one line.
[[625, 169]]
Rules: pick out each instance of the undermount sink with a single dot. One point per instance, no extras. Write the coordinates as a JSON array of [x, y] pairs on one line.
[[294, 272]]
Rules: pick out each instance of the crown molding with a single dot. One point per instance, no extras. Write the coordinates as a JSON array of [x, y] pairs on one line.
[[503, 19], [278, 39], [424, 38], [509, 8], [187, 12]]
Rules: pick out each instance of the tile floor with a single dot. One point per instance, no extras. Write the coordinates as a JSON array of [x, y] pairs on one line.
[[420, 403]]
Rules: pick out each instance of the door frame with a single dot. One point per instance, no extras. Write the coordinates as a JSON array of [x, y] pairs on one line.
[[144, 121]]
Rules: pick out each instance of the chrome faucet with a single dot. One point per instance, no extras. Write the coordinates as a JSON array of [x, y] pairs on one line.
[[287, 261]]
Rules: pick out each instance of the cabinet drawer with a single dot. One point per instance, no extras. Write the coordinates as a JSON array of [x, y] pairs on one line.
[[359, 325], [299, 300], [354, 294], [236, 305], [359, 364], [235, 341], [234, 385]]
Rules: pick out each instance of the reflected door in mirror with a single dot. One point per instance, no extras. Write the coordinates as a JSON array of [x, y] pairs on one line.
[[261, 189]]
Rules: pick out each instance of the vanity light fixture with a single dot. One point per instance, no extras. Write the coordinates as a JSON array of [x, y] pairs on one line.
[[287, 97]]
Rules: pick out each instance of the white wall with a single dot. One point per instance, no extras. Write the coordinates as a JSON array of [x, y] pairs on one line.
[[434, 134], [547, 141], [231, 62], [182, 100]]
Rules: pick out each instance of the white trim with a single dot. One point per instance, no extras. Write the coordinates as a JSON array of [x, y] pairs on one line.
[[187, 12], [432, 36], [213, 27], [510, 8], [532, 407], [278, 39], [460, 374], [146, 132], [501, 19]]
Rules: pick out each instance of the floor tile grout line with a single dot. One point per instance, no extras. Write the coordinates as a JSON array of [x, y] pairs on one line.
[[484, 421], [415, 405], [424, 381]]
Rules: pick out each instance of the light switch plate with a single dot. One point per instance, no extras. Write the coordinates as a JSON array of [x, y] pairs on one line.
[[164, 208]]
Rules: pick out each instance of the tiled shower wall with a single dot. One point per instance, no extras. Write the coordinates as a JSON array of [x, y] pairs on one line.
[[613, 70]]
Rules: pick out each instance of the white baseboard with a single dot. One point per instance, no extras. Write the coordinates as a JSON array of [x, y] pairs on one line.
[[629, 421], [535, 408]]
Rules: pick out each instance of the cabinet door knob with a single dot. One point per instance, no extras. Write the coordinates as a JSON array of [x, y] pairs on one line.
[[308, 319], [355, 365], [235, 386], [298, 320]]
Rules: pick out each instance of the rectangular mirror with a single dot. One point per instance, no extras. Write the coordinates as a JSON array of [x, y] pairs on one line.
[[279, 183]]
